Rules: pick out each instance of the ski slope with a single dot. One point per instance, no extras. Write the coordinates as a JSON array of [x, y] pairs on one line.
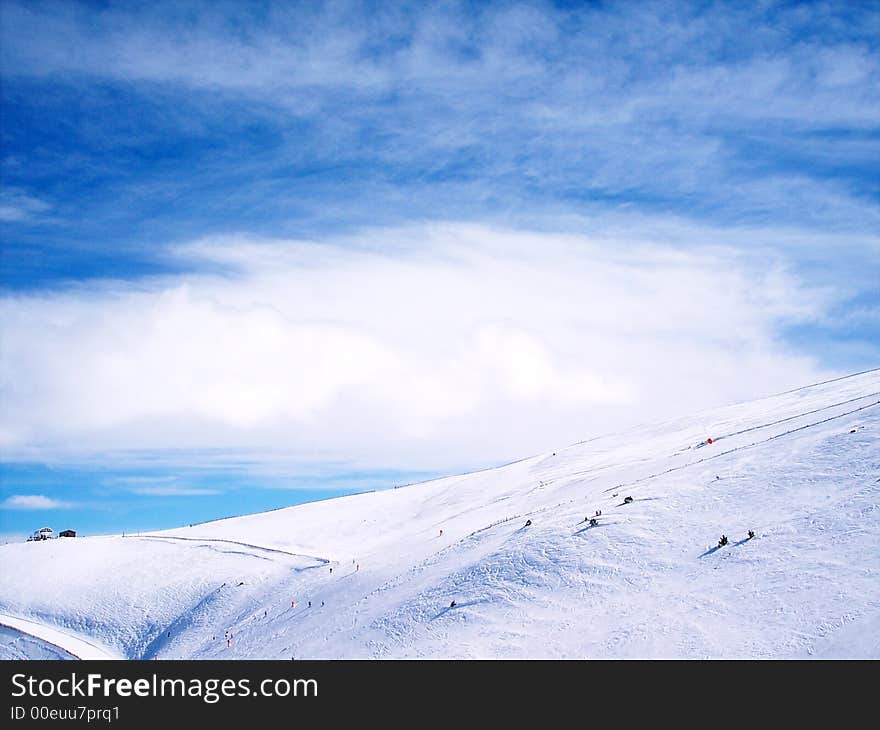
[[801, 469]]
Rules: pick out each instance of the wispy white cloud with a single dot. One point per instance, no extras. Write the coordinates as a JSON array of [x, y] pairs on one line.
[[642, 102], [33, 502], [174, 491], [158, 486], [16, 205]]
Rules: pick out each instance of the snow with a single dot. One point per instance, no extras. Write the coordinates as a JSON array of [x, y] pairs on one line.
[[47, 640], [16, 644], [802, 469]]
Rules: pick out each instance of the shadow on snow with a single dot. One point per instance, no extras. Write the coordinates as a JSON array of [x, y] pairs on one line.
[[446, 610]]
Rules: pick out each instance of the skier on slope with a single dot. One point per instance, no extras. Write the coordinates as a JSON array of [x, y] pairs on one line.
[[723, 541]]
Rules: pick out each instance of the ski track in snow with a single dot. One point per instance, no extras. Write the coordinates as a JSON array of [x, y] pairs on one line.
[[648, 581], [257, 548]]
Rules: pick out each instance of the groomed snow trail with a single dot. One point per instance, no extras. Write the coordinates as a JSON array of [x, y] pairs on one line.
[[78, 647]]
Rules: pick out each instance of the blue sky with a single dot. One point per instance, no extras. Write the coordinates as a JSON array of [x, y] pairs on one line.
[[361, 243]]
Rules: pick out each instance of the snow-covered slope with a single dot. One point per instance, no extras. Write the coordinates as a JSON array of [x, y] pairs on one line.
[[801, 469], [15, 644]]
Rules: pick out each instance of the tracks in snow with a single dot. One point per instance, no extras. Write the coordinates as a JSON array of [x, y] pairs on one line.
[[318, 560], [745, 446], [541, 510]]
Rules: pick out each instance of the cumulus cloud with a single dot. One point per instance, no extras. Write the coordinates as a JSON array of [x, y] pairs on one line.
[[32, 502], [418, 347]]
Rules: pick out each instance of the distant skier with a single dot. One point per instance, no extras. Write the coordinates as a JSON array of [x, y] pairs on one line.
[[627, 500], [357, 567], [452, 605], [751, 534], [228, 644], [441, 533], [598, 513], [528, 523], [322, 604], [723, 541], [593, 522], [331, 570]]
